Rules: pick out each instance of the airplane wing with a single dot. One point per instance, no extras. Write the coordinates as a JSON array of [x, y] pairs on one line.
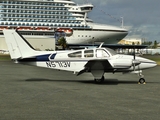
[[104, 65], [100, 64], [112, 46]]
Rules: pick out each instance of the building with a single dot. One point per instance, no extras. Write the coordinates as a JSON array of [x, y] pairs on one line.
[[131, 41]]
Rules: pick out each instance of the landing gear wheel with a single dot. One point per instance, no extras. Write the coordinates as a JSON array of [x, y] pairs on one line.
[[141, 81], [98, 81]]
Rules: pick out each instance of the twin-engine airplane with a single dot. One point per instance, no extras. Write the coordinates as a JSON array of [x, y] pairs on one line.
[[95, 60]]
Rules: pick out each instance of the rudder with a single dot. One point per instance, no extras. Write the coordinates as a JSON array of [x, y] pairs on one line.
[[18, 47]]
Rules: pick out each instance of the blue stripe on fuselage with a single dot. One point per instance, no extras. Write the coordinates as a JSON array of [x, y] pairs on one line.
[[45, 57], [38, 58]]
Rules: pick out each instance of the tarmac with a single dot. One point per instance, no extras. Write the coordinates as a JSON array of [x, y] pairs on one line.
[[33, 93]]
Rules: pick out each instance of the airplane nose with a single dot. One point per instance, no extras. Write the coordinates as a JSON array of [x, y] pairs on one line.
[[153, 64], [146, 63]]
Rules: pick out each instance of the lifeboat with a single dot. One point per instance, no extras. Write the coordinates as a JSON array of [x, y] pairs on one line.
[[68, 31], [3, 27], [40, 28], [24, 28]]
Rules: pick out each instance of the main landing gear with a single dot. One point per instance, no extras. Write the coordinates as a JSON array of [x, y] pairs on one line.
[[98, 81], [141, 80]]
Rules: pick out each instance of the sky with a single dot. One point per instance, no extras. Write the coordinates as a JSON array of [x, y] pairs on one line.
[[140, 17]]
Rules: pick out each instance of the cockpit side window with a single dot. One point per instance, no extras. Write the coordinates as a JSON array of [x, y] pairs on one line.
[[75, 54], [101, 53], [88, 53]]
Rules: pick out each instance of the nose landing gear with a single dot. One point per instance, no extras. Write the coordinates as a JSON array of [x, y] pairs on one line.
[[141, 80]]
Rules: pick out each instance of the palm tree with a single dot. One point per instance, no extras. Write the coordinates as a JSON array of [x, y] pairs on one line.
[[62, 42]]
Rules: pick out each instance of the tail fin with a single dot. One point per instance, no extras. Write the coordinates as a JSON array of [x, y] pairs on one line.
[[17, 45]]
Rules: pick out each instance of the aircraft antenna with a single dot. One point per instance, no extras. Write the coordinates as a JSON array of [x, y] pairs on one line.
[[101, 45]]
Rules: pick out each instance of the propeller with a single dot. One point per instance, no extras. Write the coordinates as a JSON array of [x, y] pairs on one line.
[[135, 62], [134, 58], [134, 54]]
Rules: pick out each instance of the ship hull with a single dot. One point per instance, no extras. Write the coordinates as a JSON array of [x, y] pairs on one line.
[[93, 36]]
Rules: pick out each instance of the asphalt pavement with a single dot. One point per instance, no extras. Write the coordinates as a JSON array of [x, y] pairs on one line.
[[33, 93]]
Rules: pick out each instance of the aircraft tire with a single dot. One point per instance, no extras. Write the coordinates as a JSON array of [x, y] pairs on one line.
[[99, 81], [142, 81]]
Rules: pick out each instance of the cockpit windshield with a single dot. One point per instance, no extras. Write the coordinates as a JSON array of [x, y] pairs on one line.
[[112, 52]]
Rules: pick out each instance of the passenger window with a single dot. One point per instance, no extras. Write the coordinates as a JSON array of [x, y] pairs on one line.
[[88, 53], [102, 53], [75, 54]]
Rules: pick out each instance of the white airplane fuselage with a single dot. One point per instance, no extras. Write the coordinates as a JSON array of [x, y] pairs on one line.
[[60, 60], [95, 60]]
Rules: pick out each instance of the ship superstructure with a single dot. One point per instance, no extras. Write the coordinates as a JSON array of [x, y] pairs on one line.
[[43, 13], [45, 17]]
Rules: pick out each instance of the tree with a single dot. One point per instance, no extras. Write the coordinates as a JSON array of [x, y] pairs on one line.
[[147, 43], [62, 42], [155, 44]]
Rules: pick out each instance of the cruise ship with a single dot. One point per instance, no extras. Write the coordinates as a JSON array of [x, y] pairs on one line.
[[41, 21]]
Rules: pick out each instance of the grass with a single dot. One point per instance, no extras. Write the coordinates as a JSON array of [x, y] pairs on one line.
[[5, 57], [155, 58]]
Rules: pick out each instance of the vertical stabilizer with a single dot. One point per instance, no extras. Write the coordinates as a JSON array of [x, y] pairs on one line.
[[18, 47]]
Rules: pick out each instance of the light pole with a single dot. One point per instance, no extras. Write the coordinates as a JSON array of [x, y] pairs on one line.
[[122, 21]]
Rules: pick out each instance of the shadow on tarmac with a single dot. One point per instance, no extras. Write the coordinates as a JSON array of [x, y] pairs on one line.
[[106, 82]]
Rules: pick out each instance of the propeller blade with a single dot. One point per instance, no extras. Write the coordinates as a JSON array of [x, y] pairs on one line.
[[134, 54], [135, 63]]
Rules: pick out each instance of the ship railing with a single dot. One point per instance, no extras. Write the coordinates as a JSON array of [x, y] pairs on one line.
[[84, 4]]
